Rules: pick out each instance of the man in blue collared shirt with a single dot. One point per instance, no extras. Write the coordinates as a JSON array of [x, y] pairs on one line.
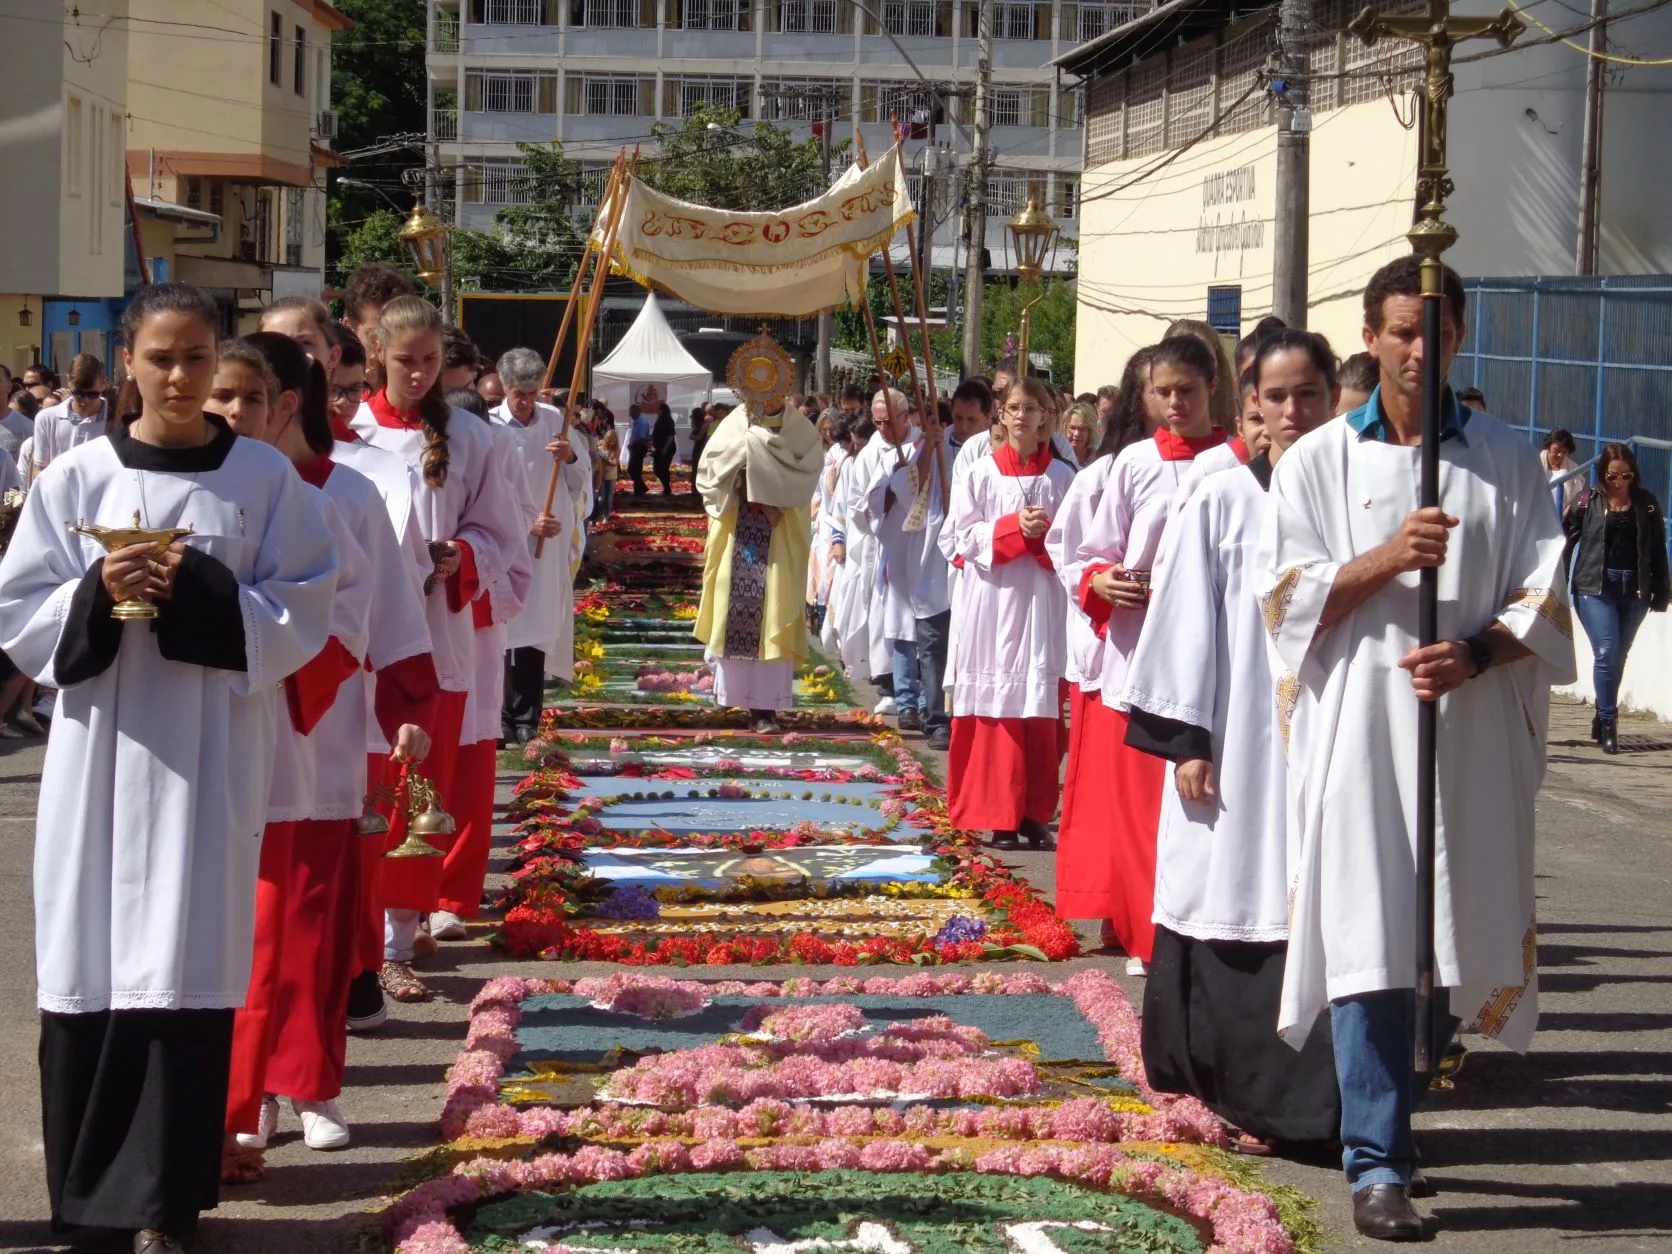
[[638, 446]]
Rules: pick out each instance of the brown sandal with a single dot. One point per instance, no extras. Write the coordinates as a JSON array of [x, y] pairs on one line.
[[242, 1166], [401, 984]]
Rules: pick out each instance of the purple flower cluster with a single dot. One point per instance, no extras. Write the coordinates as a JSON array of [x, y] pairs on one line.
[[630, 902], [961, 928]]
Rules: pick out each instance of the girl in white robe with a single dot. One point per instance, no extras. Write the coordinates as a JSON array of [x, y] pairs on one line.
[[474, 530], [1106, 855], [1006, 698], [1203, 695], [155, 788]]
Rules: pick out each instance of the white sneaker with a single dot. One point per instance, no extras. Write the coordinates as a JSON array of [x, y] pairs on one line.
[[266, 1125], [323, 1127], [445, 925], [885, 706], [1135, 966]]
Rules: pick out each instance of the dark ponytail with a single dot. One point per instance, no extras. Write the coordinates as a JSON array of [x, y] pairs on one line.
[[299, 373]]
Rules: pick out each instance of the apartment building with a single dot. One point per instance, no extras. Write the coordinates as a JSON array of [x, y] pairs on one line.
[[229, 134], [595, 75], [62, 126]]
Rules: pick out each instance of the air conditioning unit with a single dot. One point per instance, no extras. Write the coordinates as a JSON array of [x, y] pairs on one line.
[[325, 124]]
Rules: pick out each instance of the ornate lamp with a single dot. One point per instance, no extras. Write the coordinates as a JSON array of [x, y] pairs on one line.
[[1032, 233], [425, 237], [24, 316]]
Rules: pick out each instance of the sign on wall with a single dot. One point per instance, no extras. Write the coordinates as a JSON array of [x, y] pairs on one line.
[[1227, 225]]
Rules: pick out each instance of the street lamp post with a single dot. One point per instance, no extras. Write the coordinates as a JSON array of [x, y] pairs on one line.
[[1032, 232], [425, 237]]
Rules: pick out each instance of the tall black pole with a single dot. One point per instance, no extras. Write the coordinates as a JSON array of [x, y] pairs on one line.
[[1428, 632], [1438, 32]]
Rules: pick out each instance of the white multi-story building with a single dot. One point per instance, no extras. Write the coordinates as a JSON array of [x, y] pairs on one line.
[[595, 75]]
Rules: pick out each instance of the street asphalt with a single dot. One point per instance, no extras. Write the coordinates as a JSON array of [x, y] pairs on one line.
[[1567, 1148]]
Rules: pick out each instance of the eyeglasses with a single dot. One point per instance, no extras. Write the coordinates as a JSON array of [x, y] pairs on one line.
[[1620, 476], [1023, 411], [353, 392]]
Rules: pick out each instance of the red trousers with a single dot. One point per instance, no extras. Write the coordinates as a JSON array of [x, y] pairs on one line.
[[1106, 840], [1002, 770], [411, 887], [471, 804], [255, 1026]]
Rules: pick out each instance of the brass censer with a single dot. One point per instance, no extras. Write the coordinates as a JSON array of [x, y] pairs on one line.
[[114, 538], [425, 818]]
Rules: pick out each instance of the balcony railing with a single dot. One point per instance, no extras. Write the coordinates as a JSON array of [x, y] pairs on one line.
[[444, 123], [446, 36]]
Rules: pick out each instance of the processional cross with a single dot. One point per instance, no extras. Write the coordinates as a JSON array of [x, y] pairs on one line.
[[1431, 235]]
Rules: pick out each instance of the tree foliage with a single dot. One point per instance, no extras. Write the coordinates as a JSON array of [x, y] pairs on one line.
[[708, 158]]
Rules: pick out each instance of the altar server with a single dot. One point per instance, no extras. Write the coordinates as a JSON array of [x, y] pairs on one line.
[[472, 527], [154, 791], [1338, 579], [1106, 856], [1083, 659], [756, 480], [853, 556], [889, 660], [1006, 705], [541, 639], [1205, 694]]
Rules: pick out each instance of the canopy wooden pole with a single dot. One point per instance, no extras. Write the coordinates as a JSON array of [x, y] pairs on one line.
[[864, 161], [929, 361], [594, 299], [576, 288]]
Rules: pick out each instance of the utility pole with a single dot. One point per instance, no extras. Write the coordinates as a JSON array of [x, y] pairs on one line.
[[976, 212], [827, 320], [1590, 156], [1293, 193]]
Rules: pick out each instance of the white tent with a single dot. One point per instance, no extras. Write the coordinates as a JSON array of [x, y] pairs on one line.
[[650, 366]]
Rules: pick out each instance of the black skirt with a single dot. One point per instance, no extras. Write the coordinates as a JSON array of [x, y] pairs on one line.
[[133, 1107], [1210, 1030]]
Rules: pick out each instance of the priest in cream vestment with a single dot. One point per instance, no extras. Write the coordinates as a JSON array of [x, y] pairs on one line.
[[757, 479]]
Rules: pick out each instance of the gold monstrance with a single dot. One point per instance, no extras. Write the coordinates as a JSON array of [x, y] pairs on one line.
[[114, 538]]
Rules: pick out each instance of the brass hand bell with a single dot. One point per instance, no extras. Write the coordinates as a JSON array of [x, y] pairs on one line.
[[430, 820]]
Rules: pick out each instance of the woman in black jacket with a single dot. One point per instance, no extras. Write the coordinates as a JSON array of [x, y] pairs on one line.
[[1619, 573]]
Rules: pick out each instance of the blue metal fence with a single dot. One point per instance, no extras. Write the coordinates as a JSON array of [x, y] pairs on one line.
[[1591, 354]]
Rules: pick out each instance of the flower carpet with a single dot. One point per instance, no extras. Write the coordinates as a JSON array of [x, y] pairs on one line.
[[718, 849], [934, 1112]]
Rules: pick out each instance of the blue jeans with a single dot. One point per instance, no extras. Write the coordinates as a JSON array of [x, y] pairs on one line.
[[908, 687], [931, 665], [605, 501], [1373, 1035], [1611, 621]]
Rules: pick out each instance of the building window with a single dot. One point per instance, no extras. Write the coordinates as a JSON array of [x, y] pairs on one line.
[[73, 143], [804, 99], [1019, 106], [1007, 194], [683, 95], [1225, 309], [118, 157], [275, 50], [299, 66], [510, 91], [95, 171], [910, 104], [608, 14], [912, 17], [809, 17], [293, 226], [498, 182], [513, 12], [611, 95], [715, 14], [1020, 19], [1084, 22], [1068, 199]]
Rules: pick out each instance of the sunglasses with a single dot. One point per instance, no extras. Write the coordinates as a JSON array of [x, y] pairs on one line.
[[1623, 475]]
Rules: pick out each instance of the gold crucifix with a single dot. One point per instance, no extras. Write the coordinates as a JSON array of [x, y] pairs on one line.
[[1439, 32]]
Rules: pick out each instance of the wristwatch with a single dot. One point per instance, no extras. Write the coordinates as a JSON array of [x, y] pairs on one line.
[[1480, 651]]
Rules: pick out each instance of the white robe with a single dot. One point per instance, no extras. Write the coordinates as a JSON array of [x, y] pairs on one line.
[[547, 619], [395, 630], [506, 595], [1084, 663], [154, 792], [912, 572], [1126, 531], [1353, 730], [1220, 457], [1221, 870], [472, 506], [870, 462], [1010, 651], [309, 780]]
